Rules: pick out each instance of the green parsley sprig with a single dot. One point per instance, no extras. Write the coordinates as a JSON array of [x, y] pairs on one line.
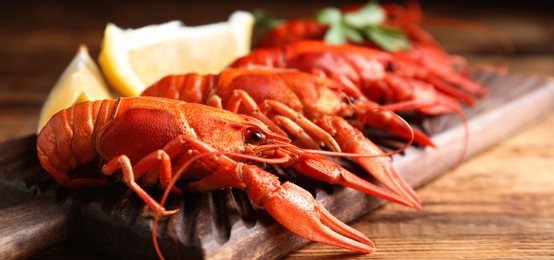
[[365, 22]]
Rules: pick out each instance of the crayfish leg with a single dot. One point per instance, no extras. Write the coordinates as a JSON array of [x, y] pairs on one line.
[[305, 123], [242, 97], [299, 136], [122, 162]]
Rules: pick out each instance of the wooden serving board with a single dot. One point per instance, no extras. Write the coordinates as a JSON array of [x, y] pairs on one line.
[[225, 224]]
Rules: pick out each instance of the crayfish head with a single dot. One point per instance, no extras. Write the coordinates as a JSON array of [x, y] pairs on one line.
[[259, 139], [265, 144]]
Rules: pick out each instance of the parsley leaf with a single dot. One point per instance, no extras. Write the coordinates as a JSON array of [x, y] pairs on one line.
[[337, 33], [370, 14], [264, 19], [387, 38], [365, 22]]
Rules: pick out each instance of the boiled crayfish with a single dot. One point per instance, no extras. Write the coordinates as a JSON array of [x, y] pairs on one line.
[[308, 108], [378, 75], [148, 138], [405, 65]]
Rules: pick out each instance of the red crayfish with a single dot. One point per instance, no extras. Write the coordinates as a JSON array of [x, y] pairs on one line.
[[308, 108], [419, 74], [313, 92], [420, 47], [150, 139], [378, 75]]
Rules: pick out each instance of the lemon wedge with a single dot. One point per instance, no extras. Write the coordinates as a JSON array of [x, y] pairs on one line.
[[81, 81], [133, 59]]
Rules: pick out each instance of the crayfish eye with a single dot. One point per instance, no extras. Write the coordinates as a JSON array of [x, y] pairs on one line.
[[252, 135], [391, 67]]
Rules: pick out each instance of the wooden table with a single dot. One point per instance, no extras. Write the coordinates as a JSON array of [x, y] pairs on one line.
[[496, 205]]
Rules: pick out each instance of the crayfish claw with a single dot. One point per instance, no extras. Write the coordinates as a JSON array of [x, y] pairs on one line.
[[298, 211], [377, 164]]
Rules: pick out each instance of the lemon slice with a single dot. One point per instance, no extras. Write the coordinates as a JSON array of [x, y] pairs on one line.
[[81, 81], [133, 59]]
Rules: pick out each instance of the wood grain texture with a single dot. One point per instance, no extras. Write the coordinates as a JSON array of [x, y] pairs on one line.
[[497, 205], [31, 232]]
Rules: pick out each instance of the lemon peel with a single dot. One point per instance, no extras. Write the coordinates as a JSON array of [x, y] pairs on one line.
[[80, 81], [133, 59]]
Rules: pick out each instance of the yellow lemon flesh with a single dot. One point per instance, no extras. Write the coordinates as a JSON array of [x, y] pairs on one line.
[[81, 81], [133, 59]]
